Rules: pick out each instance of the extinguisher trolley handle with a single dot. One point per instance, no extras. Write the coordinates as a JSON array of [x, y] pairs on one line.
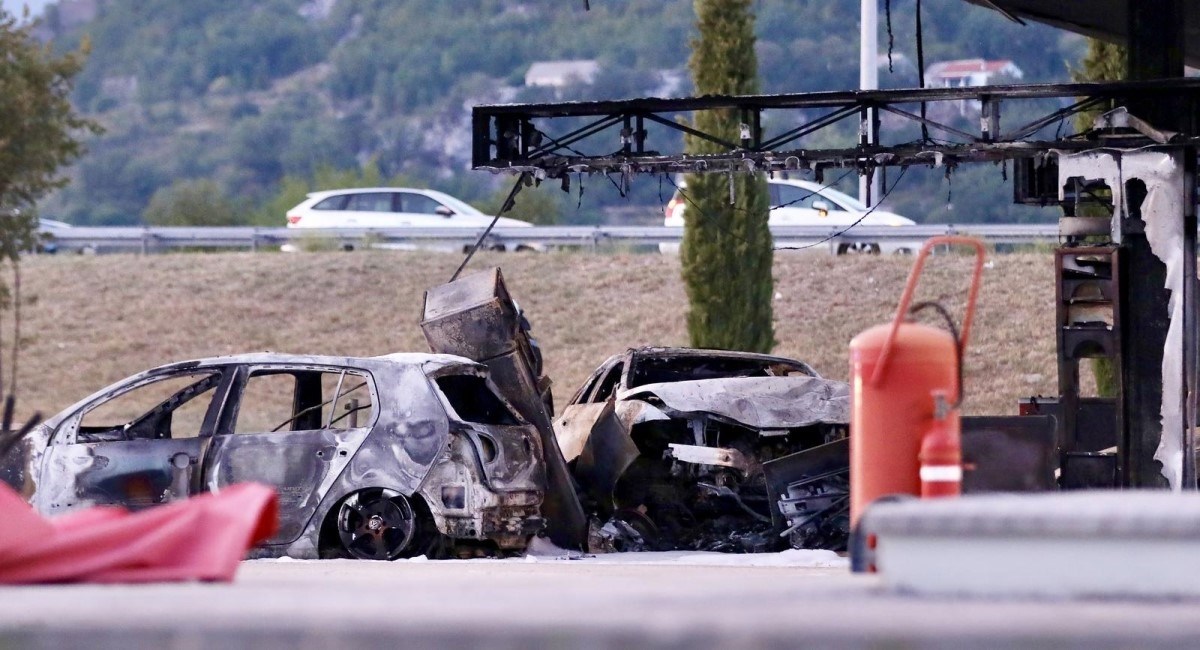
[[910, 288]]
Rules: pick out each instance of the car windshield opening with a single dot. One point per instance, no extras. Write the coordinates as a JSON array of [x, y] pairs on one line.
[[656, 370], [167, 408]]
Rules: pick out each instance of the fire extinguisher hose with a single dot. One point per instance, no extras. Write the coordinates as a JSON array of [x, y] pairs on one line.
[[958, 348], [902, 311]]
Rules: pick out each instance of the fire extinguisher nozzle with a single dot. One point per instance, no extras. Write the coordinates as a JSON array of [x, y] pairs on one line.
[[941, 405]]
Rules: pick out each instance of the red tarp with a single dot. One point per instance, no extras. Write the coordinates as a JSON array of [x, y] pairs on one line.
[[202, 538]]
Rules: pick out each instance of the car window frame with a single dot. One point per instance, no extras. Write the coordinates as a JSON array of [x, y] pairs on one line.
[[403, 203], [344, 198], [354, 196], [804, 202], [834, 204], [67, 432], [620, 367], [451, 413], [228, 424], [588, 384]]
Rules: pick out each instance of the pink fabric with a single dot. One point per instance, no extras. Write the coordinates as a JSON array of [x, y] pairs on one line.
[[202, 538]]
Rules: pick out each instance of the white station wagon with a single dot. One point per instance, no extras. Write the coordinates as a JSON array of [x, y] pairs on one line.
[[805, 203], [389, 207]]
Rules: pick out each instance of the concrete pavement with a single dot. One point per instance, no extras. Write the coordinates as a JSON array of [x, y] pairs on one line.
[[558, 603]]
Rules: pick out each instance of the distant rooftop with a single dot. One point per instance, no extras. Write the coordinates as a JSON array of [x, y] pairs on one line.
[[968, 67], [557, 74]]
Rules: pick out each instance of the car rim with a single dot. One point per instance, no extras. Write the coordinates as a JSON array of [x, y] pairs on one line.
[[376, 524]]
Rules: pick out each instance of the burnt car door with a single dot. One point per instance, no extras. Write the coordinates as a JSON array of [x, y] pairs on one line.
[[136, 445], [588, 408], [294, 428]]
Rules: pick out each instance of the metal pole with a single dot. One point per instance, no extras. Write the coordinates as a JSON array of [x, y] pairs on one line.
[[1190, 331], [868, 79], [1155, 51]]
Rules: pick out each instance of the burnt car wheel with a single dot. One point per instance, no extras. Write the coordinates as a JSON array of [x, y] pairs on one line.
[[860, 249], [376, 524]]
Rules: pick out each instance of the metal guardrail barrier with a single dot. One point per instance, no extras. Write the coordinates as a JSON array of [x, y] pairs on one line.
[[156, 239]]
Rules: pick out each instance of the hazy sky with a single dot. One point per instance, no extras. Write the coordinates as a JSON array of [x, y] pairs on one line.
[[17, 6]]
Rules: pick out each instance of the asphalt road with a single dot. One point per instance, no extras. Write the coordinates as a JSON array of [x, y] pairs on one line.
[[559, 603]]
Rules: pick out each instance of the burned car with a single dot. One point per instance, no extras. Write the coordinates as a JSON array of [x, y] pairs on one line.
[[673, 448], [372, 458]]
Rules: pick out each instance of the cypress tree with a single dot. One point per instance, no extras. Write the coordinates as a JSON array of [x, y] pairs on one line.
[[727, 250]]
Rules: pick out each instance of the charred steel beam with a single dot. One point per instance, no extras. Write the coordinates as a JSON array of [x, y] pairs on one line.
[[937, 154], [1155, 50], [931, 123], [517, 137], [837, 98], [1191, 332], [1156, 39], [810, 127], [1144, 320], [1029, 129]]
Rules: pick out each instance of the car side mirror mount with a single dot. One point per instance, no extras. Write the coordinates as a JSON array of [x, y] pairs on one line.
[[444, 211]]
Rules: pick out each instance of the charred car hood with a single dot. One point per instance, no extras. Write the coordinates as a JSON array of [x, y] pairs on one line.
[[755, 402]]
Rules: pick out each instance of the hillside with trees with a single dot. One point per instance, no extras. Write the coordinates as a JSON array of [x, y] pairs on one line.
[[254, 104]]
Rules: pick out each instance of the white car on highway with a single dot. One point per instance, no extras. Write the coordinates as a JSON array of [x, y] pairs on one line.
[[392, 207], [805, 203]]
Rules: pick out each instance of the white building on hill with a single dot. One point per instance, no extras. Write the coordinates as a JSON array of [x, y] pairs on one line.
[[559, 74], [971, 72]]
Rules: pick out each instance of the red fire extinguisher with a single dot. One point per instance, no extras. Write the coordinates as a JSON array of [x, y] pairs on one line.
[[941, 452], [905, 431]]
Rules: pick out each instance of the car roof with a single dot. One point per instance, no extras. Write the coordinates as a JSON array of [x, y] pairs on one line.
[[369, 190], [427, 362], [668, 352], [654, 351], [453, 202], [797, 182], [358, 190]]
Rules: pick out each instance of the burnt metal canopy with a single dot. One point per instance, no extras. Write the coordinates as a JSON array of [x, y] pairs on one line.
[[1104, 19]]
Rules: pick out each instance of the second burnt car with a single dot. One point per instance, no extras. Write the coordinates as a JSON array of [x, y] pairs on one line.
[[673, 448], [372, 458]]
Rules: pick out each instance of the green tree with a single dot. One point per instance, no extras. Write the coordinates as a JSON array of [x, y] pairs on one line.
[[190, 203], [727, 250], [1103, 62], [37, 137], [39, 130]]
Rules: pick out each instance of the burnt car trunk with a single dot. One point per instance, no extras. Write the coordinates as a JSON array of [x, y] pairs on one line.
[[475, 317]]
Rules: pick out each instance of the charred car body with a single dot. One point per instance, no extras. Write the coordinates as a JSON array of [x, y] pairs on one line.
[[373, 458], [683, 448]]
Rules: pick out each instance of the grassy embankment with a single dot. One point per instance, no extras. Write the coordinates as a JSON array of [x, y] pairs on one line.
[[97, 319]]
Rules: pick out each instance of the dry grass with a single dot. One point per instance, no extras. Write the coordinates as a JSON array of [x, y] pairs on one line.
[[97, 319]]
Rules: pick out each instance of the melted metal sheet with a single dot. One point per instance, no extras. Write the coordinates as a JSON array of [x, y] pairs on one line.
[[755, 402]]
